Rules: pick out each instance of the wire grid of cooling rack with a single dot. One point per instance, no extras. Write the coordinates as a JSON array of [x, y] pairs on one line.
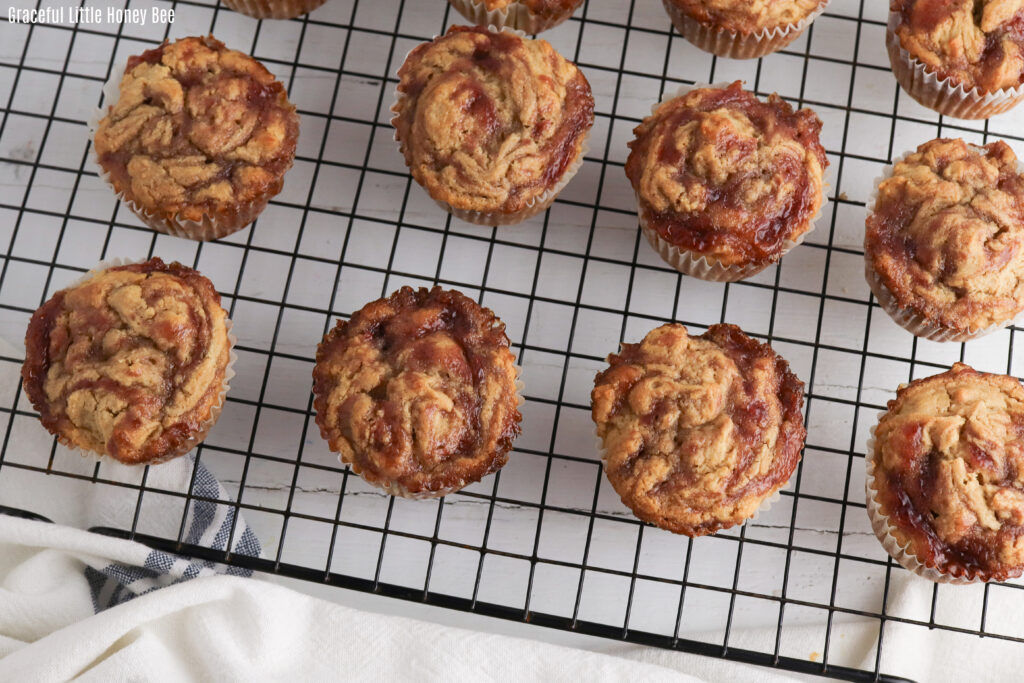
[[545, 540]]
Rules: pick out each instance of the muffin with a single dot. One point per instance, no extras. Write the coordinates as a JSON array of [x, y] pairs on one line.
[[531, 16], [493, 125], [726, 183], [962, 58], [944, 243], [131, 362], [418, 392], [944, 488], [742, 29], [698, 433], [199, 139], [273, 9]]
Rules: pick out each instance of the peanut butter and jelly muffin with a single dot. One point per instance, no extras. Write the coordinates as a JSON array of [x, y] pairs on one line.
[[417, 392], [132, 362], [726, 183], [491, 124], [962, 58], [273, 9], [743, 29], [944, 244], [944, 487], [531, 16], [199, 138], [698, 432]]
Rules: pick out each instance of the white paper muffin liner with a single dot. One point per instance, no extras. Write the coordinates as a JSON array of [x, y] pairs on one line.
[[273, 9], [882, 526], [941, 94], [726, 43], [395, 489], [534, 206], [516, 15], [215, 410], [209, 228], [699, 265], [905, 317]]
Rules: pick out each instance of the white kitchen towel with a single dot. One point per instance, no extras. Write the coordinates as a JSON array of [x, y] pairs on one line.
[[209, 525], [226, 628], [230, 628], [209, 522]]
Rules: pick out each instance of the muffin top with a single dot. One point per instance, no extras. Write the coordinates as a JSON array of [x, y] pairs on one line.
[[949, 472], [131, 362], [544, 8], [418, 390], [198, 129], [974, 43], [946, 236], [748, 16], [719, 172], [698, 431], [489, 121]]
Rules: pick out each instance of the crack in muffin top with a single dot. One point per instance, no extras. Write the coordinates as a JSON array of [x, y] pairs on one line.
[[418, 390], [719, 172], [949, 472], [698, 431], [130, 362], [748, 16], [974, 43], [197, 129], [946, 235], [489, 121]]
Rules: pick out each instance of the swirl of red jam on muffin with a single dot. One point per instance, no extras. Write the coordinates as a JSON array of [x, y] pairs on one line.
[[946, 236], [131, 362], [974, 43], [721, 173], [698, 431], [949, 457], [489, 121], [198, 129], [748, 16], [418, 392]]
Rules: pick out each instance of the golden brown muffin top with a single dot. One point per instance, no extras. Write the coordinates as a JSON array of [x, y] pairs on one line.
[[489, 121], [748, 16], [949, 472], [130, 362], [946, 236], [198, 129], [544, 8], [974, 43], [719, 172], [698, 431], [418, 390]]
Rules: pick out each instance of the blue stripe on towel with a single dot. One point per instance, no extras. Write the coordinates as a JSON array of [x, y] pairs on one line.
[[212, 516]]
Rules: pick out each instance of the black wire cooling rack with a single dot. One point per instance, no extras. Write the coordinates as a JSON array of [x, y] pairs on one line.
[[545, 540]]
